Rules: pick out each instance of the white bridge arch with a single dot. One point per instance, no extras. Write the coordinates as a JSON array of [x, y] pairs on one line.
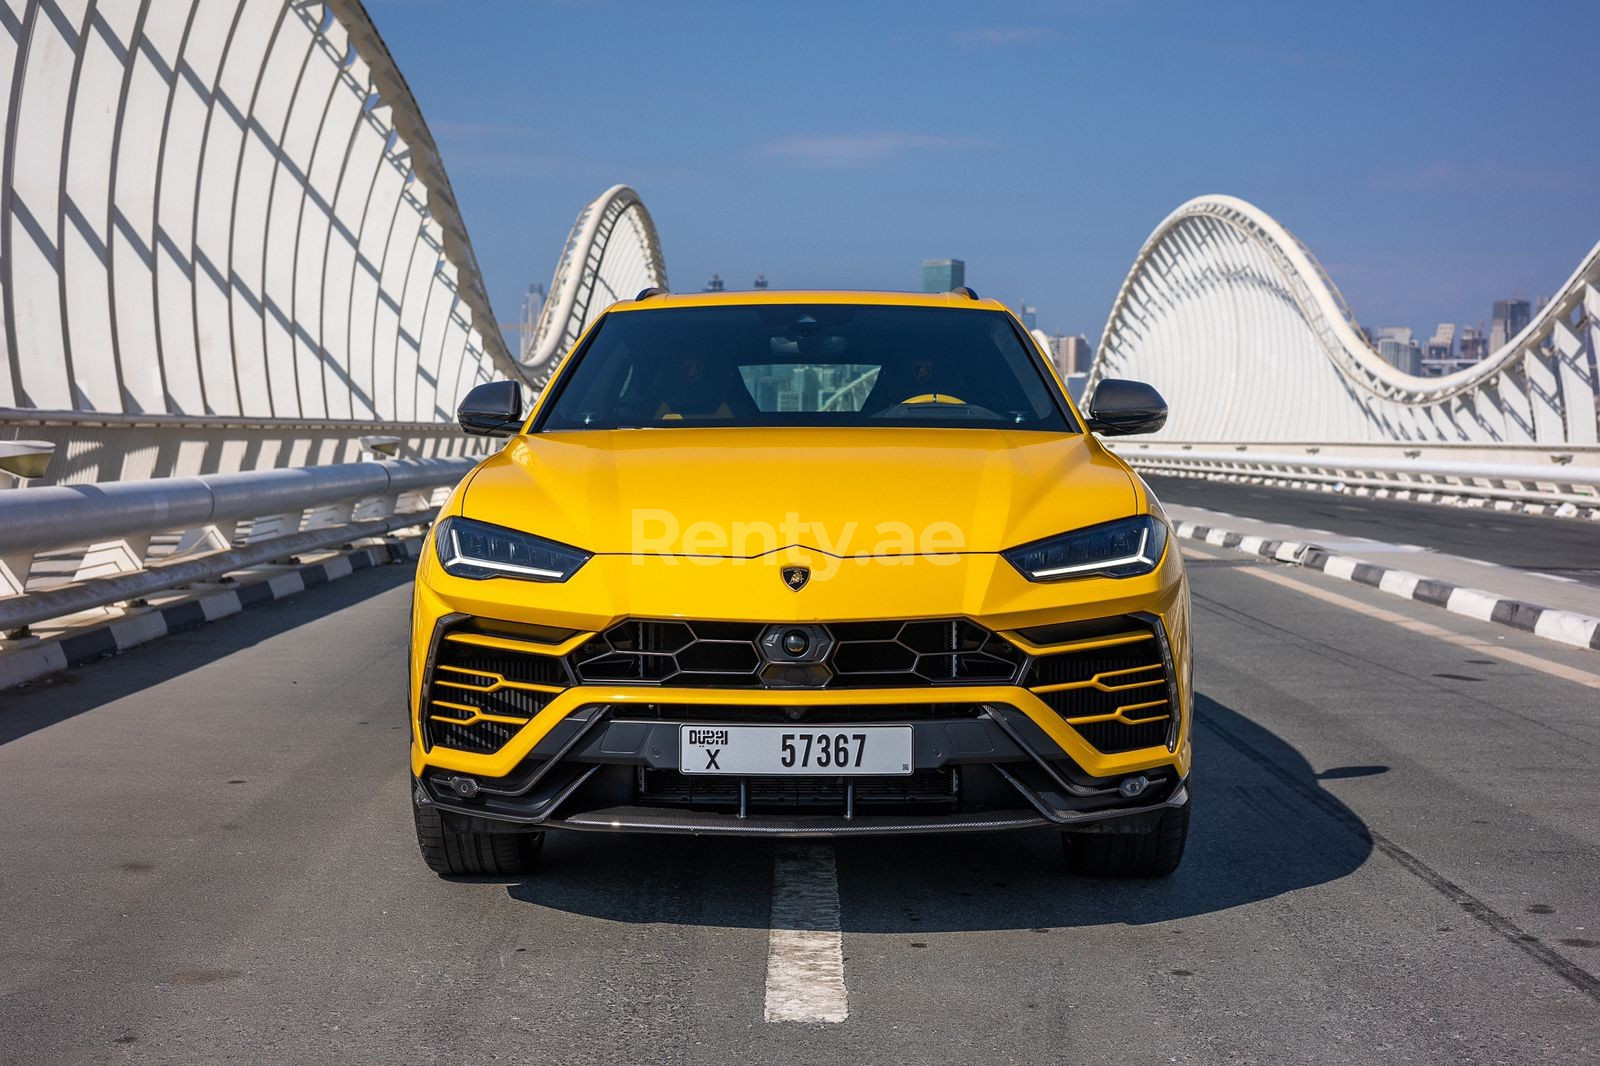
[[611, 254], [227, 208], [1233, 319], [228, 242]]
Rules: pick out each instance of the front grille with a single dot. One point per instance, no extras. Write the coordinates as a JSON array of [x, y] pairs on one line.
[[671, 788], [898, 654], [689, 654], [1108, 680], [482, 688], [760, 715], [894, 654]]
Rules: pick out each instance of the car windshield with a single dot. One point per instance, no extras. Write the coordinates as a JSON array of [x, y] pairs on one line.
[[805, 365]]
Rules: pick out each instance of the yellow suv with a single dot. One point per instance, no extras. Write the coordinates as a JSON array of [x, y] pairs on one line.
[[802, 564]]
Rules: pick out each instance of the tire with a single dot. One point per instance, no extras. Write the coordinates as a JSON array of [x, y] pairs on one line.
[[452, 854], [1153, 854]]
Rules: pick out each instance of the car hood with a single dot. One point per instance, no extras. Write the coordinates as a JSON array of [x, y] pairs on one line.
[[743, 492]]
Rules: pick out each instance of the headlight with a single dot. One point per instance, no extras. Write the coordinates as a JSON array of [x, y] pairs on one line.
[[478, 550], [1127, 547]]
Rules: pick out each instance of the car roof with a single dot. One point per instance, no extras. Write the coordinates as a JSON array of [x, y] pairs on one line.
[[807, 296]]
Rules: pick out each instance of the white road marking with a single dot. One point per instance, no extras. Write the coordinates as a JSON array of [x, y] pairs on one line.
[[1460, 640], [805, 949], [1558, 620], [1362, 544]]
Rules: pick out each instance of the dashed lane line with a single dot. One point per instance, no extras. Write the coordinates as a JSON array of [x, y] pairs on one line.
[[805, 948]]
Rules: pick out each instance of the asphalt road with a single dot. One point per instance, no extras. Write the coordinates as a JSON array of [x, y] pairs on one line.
[[1566, 546], [206, 856]]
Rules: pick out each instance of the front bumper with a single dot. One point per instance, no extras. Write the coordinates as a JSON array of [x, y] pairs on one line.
[[572, 749], [599, 770]]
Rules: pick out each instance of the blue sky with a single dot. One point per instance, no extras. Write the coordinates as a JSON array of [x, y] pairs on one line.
[[1434, 156]]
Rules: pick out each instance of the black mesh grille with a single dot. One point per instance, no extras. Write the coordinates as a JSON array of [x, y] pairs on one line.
[[1064, 667], [690, 654], [1113, 736], [1134, 673], [469, 677], [947, 651], [481, 737], [528, 669], [1086, 702], [859, 655]]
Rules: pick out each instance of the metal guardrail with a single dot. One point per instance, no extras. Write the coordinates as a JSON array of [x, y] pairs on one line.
[[1538, 474], [286, 511], [104, 447]]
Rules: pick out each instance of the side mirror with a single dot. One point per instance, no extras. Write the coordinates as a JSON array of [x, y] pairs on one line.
[[493, 409], [1121, 407]]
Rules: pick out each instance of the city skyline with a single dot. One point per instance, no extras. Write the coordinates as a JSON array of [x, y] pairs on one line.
[[1452, 346], [1479, 337], [1061, 136]]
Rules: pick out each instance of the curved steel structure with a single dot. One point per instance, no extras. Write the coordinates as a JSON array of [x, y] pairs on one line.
[[1230, 316], [227, 208], [611, 254]]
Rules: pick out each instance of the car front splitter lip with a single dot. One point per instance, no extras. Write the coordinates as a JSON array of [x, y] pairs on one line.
[[668, 820], [636, 819], [640, 819]]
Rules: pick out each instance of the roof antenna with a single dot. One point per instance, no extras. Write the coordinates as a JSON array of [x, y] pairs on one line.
[[963, 290]]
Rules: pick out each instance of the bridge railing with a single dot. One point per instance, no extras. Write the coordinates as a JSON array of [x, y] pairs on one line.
[[1564, 476], [66, 549], [92, 446]]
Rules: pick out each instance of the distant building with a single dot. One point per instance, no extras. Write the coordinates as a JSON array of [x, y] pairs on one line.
[[1510, 318], [532, 304], [1068, 354], [1073, 355], [942, 275], [714, 283], [1404, 355], [1439, 354], [1398, 346], [1473, 347], [1449, 352], [1029, 315], [1442, 345], [761, 281]]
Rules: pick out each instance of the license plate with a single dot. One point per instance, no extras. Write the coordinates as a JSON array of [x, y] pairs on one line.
[[777, 750]]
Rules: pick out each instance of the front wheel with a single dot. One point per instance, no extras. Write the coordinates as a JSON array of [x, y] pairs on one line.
[[1153, 854], [450, 853]]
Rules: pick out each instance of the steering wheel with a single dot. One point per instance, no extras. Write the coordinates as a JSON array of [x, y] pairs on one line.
[[931, 397]]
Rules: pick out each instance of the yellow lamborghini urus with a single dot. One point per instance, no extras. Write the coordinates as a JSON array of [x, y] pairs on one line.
[[802, 564]]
